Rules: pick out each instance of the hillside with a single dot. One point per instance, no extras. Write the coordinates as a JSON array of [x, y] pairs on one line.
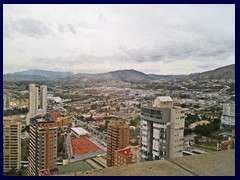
[[226, 72]]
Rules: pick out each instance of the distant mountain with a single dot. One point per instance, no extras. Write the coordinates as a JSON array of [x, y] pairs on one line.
[[35, 75], [156, 76], [226, 72], [44, 73], [131, 75], [121, 75]]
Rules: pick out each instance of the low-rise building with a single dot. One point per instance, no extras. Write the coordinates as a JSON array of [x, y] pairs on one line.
[[128, 155]]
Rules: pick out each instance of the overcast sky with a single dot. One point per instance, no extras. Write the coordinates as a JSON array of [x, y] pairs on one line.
[[161, 39]]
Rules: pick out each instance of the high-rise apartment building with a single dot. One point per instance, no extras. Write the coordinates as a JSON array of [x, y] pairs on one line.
[[11, 144], [33, 99], [6, 102], [162, 129], [117, 138], [228, 116], [42, 144], [43, 98]]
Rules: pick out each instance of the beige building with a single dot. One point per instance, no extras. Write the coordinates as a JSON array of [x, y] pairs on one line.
[[117, 138], [42, 145], [11, 143], [162, 129]]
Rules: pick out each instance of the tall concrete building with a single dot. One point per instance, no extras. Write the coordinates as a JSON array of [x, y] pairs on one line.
[[43, 98], [6, 102], [117, 138], [42, 144], [228, 116], [33, 100], [11, 144], [162, 129]]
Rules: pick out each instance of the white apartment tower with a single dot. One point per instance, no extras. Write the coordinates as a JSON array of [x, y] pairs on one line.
[[33, 99], [162, 130], [228, 116], [43, 98]]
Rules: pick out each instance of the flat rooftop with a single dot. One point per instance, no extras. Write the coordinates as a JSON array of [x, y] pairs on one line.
[[80, 131], [83, 145], [220, 163]]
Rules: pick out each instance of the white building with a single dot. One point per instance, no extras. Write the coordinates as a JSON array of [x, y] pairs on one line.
[[43, 98], [162, 129], [228, 116], [33, 99], [79, 132]]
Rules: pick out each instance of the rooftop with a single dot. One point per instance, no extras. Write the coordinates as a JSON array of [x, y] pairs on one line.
[[165, 98], [83, 145], [128, 151], [80, 131], [220, 163]]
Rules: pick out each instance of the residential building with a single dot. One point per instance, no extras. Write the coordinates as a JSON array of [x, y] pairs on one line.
[[6, 102], [42, 144], [162, 129], [128, 155], [33, 99], [11, 144], [228, 116], [117, 138], [43, 98]]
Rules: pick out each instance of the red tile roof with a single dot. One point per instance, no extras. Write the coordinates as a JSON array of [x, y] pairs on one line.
[[83, 145]]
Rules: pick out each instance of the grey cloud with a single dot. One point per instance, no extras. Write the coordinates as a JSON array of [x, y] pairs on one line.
[[66, 28], [201, 49], [31, 27], [6, 30]]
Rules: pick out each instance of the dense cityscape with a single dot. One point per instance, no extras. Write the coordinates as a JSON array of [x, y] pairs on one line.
[[68, 127]]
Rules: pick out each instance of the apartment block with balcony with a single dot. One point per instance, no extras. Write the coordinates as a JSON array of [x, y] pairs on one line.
[[162, 130], [42, 144], [117, 138], [11, 144]]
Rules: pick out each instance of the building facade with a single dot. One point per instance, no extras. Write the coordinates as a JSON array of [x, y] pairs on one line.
[[117, 138], [228, 116], [11, 144], [42, 144], [162, 130]]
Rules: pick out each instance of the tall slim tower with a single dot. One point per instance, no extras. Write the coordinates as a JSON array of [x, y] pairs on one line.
[[162, 129], [43, 98], [11, 144], [33, 100], [118, 138], [42, 144]]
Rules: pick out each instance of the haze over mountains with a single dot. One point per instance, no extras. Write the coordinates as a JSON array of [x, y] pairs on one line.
[[131, 75]]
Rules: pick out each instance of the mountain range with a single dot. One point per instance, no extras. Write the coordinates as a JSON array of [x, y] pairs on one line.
[[130, 75]]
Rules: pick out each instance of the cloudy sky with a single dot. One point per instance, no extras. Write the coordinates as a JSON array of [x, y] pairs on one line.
[[162, 39]]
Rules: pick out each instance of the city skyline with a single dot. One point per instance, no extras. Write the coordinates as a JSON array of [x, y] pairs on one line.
[[159, 39]]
